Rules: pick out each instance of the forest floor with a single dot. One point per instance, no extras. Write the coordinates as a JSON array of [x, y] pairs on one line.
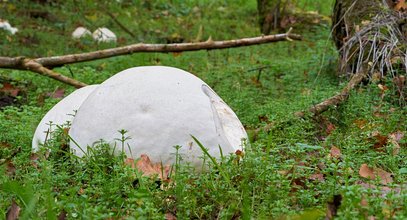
[[351, 160]]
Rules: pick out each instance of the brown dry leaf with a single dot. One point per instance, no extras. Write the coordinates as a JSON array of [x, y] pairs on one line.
[[57, 94], [366, 172], [170, 216], [400, 82], [81, 191], [330, 128], [284, 172], [130, 162], [335, 152], [148, 168], [34, 160], [385, 177], [239, 153], [13, 212], [10, 89], [401, 5], [394, 138], [382, 87], [373, 173], [317, 176], [381, 141], [10, 168], [360, 123]]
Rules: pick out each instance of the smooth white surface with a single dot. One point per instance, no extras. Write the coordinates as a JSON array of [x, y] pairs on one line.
[[104, 35], [6, 26], [62, 112], [160, 107], [80, 32]]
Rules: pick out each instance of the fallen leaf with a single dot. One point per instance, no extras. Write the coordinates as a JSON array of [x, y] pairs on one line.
[[57, 94], [400, 5], [148, 168], [360, 123], [284, 172], [10, 89], [239, 153], [330, 128], [130, 162], [335, 152], [11, 169], [385, 177], [170, 216], [394, 138], [13, 212], [370, 173], [381, 141], [366, 172], [317, 176], [81, 191], [382, 87], [34, 160]]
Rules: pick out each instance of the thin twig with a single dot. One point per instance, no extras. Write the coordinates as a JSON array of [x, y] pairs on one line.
[[125, 29]]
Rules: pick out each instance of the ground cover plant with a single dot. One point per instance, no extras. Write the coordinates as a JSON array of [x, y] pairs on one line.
[[349, 161]]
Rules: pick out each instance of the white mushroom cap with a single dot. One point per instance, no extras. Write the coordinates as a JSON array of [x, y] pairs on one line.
[[80, 32], [160, 107], [6, 26], [104, 35], [62, 112]]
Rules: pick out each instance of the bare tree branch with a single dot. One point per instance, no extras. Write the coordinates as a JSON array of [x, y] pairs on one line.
[[336, 99], [38, 68], [44, 65], [29, 64], [55, 61], [323, 106]]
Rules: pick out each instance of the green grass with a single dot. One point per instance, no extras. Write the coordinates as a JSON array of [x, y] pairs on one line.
[[276, 178]]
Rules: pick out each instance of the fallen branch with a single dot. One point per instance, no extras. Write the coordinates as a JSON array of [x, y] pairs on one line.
[[30, 64], [336, 99], [55, 61], [38, 68], [323, 106]]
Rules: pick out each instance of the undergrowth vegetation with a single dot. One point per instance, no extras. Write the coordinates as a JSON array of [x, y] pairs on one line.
[[295, 169]]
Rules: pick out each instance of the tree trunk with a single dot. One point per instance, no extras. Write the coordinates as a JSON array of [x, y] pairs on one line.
[[363, 32], [349, 14], [269, 15]]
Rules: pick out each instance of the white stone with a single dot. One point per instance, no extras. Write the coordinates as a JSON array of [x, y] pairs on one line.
[[104, 35], [160, 107], [61, 113], [80, 32], [6, 26]]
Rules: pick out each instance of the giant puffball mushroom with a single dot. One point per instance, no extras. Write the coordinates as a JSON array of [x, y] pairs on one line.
[[159, 107], [6, 26], [80, 32], [61, 113], [104, 35]]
